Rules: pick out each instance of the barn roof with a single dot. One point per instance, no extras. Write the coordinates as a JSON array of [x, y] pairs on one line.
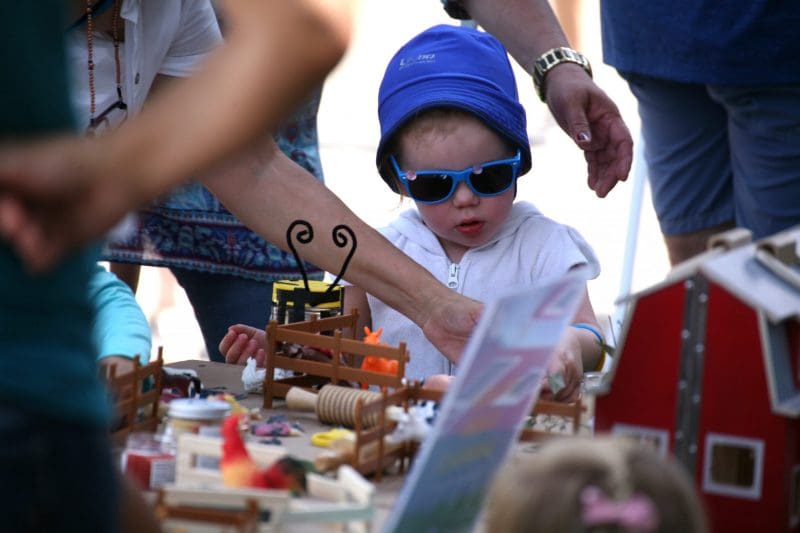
[[765, 275]]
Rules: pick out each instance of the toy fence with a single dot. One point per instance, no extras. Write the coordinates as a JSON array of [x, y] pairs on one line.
[[346, 501], [570, 413], [368, 453], [136, 410], [325, 334], [179, 518], [371, 453]]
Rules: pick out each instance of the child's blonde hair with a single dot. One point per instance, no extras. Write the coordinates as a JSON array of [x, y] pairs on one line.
[[595, 485]]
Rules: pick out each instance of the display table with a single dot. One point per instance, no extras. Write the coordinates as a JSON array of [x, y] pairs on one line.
[[226, 378]]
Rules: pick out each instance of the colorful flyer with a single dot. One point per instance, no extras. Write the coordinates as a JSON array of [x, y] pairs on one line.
[[498, 381]]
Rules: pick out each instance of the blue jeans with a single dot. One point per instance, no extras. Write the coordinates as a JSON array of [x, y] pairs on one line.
[[55, 475], [718, 154], [220, 300]]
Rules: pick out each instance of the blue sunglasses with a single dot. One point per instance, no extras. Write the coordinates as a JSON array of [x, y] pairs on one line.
[[435, 186]]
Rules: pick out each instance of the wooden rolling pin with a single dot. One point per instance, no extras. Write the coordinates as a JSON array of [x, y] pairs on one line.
[[333, 405]]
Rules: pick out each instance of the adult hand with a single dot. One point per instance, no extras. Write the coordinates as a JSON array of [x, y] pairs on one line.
[[568, 364], [55, 195], [593, 121], [242, 342], [450, 323]]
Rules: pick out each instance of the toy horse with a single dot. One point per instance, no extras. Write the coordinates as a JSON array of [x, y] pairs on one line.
[[374, 363]]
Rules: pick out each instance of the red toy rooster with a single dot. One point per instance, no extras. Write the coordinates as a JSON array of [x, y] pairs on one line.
[[239, 469]]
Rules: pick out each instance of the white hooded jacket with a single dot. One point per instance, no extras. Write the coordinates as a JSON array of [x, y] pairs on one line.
[[529, 247]]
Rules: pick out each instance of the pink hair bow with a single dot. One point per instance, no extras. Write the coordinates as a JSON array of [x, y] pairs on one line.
[[636, 514]]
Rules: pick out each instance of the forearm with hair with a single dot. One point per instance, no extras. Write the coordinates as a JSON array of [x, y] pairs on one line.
[[267, 192], [527, 28]]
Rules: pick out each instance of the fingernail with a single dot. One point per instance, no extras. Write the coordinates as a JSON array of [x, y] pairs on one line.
[[584, 137]]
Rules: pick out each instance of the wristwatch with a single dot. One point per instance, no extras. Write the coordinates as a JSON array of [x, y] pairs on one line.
[[552, 58]]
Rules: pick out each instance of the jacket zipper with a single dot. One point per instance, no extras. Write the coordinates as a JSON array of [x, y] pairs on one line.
[[452, 276], [452, 282]]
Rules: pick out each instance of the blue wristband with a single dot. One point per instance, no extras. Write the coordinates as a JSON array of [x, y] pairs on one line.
[[593, 329]]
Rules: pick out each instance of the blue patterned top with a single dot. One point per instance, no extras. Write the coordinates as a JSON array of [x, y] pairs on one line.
[[191, 229]]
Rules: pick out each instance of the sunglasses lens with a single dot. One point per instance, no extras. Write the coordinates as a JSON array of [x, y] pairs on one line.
[[494, 179], [430, 187]]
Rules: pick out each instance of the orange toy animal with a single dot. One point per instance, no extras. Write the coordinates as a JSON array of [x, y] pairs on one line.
[[376, 364], [239, 469]]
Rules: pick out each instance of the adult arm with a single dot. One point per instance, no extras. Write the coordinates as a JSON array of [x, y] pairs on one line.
[[270, 191], [62, 193], [528, 28]]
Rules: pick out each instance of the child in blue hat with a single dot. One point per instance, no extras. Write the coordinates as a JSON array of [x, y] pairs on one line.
[[454, 140]]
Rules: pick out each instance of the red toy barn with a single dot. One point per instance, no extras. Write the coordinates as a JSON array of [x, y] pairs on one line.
[[707, 370]]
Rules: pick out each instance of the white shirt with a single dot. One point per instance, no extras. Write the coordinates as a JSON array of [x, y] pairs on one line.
[[527, 248], [170, 37]]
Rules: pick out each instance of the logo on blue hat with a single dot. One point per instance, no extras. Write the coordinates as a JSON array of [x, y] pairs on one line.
[[421, 58]]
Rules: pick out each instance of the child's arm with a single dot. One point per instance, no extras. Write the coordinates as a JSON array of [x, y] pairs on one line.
[[120, 330], [591, 347], [579, 350]]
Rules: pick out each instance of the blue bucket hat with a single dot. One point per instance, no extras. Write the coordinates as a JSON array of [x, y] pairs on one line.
[[451, 66]]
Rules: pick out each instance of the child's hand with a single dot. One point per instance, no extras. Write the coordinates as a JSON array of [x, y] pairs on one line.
[[242, 342], [438, 382], [569, 364]]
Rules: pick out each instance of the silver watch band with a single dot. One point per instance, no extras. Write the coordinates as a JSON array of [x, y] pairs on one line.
[[552, 58]]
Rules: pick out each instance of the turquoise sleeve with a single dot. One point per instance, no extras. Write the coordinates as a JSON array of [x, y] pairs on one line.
[[119, 326]]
